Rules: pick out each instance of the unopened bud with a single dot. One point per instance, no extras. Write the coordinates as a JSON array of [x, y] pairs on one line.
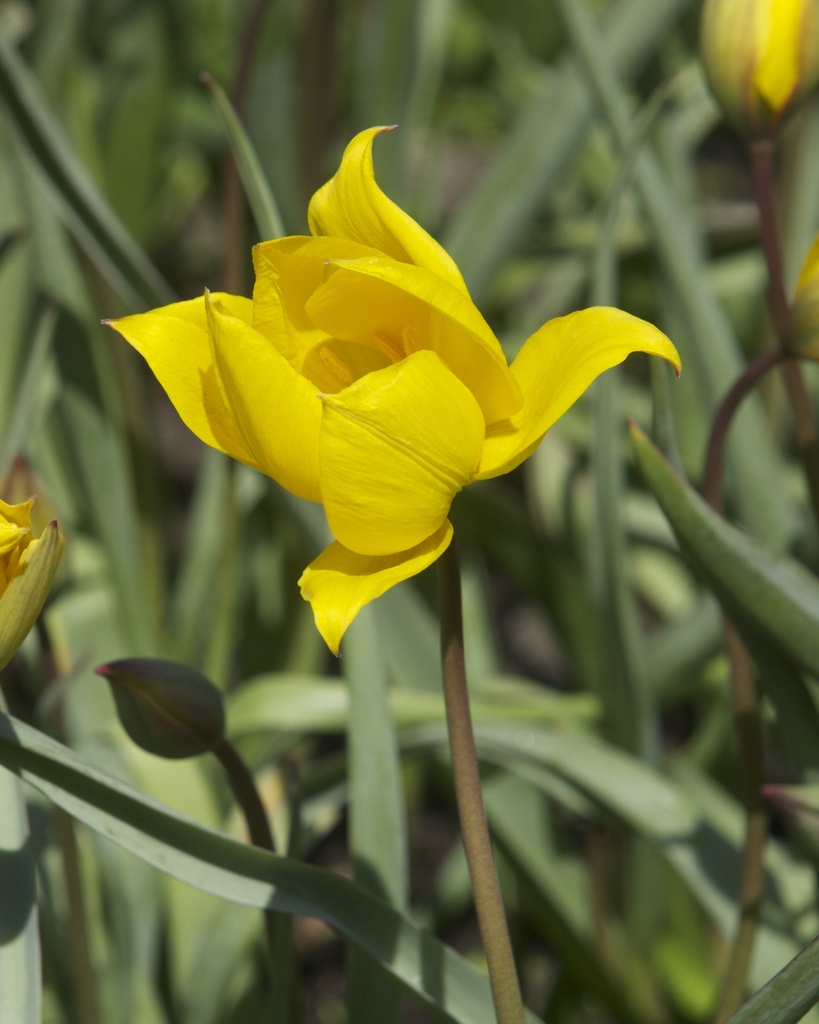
[[27, 568], [167, 709], [761, 57]]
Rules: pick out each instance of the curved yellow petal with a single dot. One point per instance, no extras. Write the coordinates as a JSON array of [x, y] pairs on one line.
[[396, 447], [276, 411], [340, 582], [554, 368], [406, 308], [18, 515], [351, 205], [288, 271], [778, 29], [173, 340]]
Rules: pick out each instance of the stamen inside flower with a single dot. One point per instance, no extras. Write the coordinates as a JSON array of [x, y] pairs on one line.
[[390, 346], [412, 343], [336, 366]]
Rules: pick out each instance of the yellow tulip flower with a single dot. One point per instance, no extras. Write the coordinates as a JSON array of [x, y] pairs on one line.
[[362, 376], [761, 56], [27, 568], [15, 539]]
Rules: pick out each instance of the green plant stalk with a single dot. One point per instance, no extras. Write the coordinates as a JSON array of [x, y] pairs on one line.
[[82, 969], [746, 708], [807, 443], [466, 775], [723, 417], [247, 796], [752, 767]]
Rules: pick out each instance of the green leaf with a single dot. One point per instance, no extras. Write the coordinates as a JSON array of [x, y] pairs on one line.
[[377, 829], [29, 392], [19, 936], [761, 589], [265, 211], [540, 148], [38, 130], [435, 974], [787, 997], [316, 704], [637, 793], [712, 355]]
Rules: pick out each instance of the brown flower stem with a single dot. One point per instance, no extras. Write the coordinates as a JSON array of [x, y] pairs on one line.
[[474, 829], [807, 443], [746, 713], [247, 797], [715, 456], [752, 764]]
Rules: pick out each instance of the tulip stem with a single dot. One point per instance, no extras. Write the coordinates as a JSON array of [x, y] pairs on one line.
[[746, 713], [757, 368], [466, 776], [244, 790], [807, 443]]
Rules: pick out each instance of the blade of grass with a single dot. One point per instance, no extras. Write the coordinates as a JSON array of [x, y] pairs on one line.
[[28, 115], [378, 843], [543, 143], [261, 200], [787, 997], [17, 430], [714, 355], [20, 983]]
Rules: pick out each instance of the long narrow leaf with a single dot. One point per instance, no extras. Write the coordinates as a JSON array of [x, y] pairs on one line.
[[770, 592], [378, 842], [543, 144], [27, 114], [435, 974], [787, 997], [19, 937], [265, 211], [712, 351]]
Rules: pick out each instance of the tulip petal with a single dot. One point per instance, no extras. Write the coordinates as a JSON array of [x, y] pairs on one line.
[[288, 271], [174, 342], [396, 447], [351, 205], [778, 32], [369, 299], [276, 411], [340, 582], [554, 368]]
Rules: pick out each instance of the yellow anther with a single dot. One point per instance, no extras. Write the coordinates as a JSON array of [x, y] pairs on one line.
[[336, 366], [390, 346], [412, 343]]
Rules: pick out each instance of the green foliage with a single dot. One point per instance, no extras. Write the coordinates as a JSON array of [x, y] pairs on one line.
[[565, 154]]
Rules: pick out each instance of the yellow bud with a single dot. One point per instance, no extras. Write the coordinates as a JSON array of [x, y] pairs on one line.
[[803, 337], [761, 57], [27, 569]]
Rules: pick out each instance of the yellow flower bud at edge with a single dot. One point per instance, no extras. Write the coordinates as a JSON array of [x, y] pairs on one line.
[[27, 590]]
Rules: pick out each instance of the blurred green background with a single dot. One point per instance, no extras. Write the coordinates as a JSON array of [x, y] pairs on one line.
[[595, 652]]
